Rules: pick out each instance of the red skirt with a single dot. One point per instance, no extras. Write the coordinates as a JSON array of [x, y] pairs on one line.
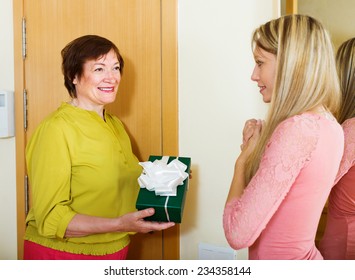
[[34, 251]]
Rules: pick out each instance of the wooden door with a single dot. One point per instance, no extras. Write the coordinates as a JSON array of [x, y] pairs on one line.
[[145, 33]]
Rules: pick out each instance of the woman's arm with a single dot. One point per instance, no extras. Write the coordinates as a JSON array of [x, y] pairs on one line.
[[49, 171], [82, 225], [348, 159], [251, 135]]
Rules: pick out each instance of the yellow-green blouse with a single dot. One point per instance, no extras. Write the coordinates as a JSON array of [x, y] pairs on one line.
[[79, 163]]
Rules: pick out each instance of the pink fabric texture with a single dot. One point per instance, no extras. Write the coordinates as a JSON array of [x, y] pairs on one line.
[[34, 251], [338, 242], [278, 214]]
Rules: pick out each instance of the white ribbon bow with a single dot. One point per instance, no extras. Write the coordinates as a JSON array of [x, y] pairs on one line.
[[161, 177]]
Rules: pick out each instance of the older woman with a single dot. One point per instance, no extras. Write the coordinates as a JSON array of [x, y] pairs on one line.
[[81, 167]]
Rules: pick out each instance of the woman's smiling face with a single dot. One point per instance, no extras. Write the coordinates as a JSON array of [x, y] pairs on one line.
[[99, 82], [264, 72]]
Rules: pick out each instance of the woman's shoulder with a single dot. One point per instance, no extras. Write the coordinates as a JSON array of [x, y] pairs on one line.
[[349, 126], [307, 128], [311, 122], [300, 135], [57, 119], [349, 135], [294, 134], [304, 122]]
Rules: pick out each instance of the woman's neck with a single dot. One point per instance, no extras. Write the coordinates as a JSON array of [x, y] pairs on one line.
[[99, 109]]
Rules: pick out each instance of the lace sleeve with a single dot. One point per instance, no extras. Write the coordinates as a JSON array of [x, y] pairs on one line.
[[348, 159], [288, 150]]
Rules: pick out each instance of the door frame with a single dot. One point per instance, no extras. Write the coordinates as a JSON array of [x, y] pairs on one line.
[[171, 237], [291, 6]]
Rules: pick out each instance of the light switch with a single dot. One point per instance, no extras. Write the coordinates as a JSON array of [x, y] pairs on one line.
[[7, 114]]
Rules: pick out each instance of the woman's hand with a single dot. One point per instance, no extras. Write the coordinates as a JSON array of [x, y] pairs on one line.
[[251, 135], [248, 130], [134, 222]]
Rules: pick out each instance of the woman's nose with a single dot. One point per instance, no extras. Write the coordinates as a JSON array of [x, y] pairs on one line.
[[255, 75], [110, 76]]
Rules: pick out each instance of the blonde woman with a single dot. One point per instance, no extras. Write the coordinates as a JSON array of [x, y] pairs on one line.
[[288, 163], [339, 237]]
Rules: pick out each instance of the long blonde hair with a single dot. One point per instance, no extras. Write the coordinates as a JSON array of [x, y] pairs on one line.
[[345, 62], [306, 75]]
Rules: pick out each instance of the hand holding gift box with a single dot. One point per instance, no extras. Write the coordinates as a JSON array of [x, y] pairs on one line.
[[164, 183]]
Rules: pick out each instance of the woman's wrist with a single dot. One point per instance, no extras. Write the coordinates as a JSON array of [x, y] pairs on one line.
[[118, 224], [240, 162]]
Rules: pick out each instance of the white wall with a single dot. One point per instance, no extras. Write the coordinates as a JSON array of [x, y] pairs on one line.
[[8, 230], [216, 96]]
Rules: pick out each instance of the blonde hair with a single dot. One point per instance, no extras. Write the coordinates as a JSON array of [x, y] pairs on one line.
[[306, 75], [345, 63]]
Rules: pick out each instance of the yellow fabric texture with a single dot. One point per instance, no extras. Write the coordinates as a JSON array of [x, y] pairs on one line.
[[79, 163]]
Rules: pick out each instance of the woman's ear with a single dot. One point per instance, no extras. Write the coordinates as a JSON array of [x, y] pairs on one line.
[[75, 80]]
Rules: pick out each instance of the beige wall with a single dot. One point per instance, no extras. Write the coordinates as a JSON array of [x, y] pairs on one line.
[[8, 241], [338, 16], [216, 96]]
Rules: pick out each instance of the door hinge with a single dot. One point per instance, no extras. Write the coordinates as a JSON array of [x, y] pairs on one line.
[[24, 39], [27, 202], [25, 109]]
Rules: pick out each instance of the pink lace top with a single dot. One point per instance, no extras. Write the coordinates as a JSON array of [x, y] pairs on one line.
[[277, 215], [339, 237]]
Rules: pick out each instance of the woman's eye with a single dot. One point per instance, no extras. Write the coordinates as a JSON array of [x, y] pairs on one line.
[[117, 68], [258, 62], [99, 69]]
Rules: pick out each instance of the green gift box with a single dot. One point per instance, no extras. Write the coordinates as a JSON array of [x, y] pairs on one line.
[[167, 208]]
